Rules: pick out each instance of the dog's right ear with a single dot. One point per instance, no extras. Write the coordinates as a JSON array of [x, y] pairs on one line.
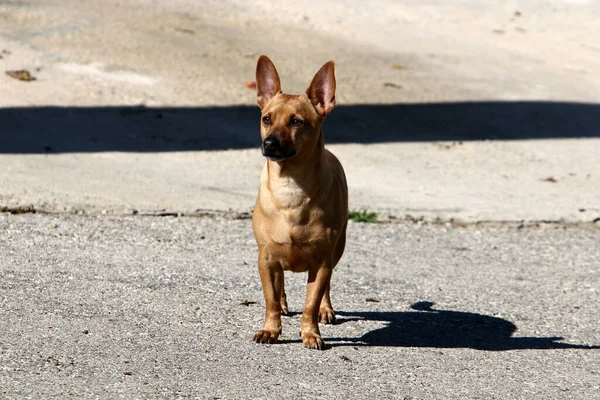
[[267, 81]]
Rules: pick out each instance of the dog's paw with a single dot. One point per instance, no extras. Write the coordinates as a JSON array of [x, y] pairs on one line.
[[284, 308], [326, 316], [313, 341], [266, 336]]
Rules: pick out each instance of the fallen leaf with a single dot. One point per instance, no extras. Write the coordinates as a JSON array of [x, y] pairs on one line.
[[550, 179], [22, 75], [251, 85], [398, 66], [185, 30], [247, 303], [7, 52], [392, 85], [372, 300]]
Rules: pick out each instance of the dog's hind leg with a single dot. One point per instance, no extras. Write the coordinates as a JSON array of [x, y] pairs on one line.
[[284, 305], [326, 314]]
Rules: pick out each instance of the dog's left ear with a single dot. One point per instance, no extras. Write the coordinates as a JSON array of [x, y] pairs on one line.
[[321, 91]]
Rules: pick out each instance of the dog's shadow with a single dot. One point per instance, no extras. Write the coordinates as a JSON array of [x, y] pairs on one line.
[[429, 327]]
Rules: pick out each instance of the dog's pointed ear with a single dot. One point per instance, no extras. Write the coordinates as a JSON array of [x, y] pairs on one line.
[[321, 91], [267, 81]]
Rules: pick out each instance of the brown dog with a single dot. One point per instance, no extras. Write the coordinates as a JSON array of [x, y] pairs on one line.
[[301, 211]]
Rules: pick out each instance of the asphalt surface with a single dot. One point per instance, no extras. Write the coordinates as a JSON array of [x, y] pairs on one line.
[[471, 128], [164, 307]]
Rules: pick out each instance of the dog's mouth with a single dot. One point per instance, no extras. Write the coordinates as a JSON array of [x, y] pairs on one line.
[[276, 155]]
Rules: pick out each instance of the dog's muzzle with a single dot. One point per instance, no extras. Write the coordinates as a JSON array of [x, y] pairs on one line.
[[271, 148]]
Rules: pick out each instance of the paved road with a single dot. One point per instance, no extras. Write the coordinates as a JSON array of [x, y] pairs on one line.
[[146, 307], [462, 111]]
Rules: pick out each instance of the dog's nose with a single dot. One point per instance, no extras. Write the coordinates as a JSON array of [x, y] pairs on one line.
[[270, 143]]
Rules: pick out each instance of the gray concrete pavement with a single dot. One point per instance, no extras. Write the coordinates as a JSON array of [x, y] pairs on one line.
[[462, 111], [145, 307]]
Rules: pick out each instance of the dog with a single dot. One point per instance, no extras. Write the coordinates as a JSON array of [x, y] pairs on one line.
[[301, 211]]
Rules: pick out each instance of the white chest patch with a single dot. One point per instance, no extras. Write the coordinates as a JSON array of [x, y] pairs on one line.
[[287, 194]]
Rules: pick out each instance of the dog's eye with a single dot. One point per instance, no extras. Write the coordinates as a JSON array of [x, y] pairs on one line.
[[296, 122], [266, 120]]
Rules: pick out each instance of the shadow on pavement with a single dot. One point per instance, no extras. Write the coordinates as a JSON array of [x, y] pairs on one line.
[[140, 129], [444, 329]]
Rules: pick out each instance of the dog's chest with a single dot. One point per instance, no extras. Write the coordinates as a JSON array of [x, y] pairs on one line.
[[292, 226], [287, 195]]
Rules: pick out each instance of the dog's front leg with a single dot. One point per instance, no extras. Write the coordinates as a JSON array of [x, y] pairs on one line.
[[318, 281], [271, 277]]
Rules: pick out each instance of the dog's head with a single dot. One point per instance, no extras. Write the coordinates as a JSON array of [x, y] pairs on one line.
[[291, 124]]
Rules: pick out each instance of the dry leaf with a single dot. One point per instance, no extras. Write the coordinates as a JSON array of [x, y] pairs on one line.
[[398, 66], [251, 85], [22, 75], [550, 179], [185, 30], [372, 300], [392, 85]]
